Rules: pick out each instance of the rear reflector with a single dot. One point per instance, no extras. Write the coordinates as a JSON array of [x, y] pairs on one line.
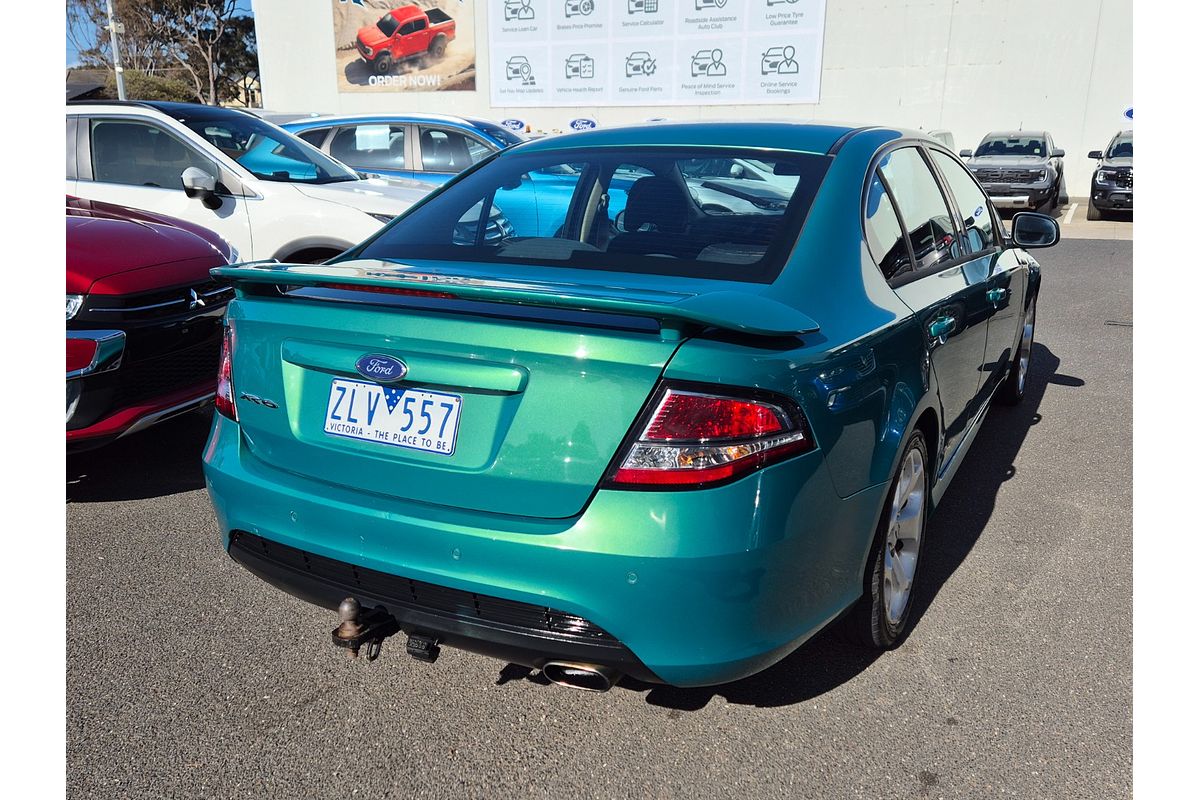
[[695, 439], [80, 353]]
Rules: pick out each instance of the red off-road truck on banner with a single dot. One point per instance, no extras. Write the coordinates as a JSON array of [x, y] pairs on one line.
[[405, 33]]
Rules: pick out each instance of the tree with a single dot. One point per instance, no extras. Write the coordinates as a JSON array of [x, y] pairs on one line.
[[208, 44]]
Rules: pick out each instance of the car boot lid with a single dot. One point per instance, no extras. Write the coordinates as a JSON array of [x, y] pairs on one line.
[[741, 311]]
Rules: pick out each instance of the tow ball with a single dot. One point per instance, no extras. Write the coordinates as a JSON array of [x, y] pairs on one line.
[[360, 628], [370, 628]]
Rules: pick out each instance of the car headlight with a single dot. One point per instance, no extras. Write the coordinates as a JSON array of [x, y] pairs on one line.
[[234, 255], [384, 218], [74, 303], [1106, 176], [1041, 176]]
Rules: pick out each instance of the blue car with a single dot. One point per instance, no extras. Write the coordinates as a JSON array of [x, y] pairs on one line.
[[426, 147], [668, 423]]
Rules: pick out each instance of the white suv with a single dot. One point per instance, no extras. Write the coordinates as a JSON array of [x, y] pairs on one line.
[[266, 192]]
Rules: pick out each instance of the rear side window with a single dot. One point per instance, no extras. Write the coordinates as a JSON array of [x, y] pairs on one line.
[[139, 154], [315, 137], [922, 207], [369, 146], [972, 204], [448, 151], [885, 238], [618, 210]]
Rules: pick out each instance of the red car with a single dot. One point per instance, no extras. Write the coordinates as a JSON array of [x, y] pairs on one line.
[[404, 33], [144, 319]]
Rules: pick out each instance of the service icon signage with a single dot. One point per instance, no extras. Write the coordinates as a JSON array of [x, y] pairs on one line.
[[655, 52]]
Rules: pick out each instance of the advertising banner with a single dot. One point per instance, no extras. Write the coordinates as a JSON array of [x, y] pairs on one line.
[[404, 45], [655, 52]]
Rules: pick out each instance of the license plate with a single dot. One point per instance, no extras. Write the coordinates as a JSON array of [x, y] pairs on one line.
[[412, 418]]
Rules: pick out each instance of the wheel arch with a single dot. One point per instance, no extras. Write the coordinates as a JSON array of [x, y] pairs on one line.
[[289, 251]]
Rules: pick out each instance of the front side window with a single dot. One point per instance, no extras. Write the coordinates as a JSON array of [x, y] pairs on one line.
[[922, 206], [267, 152], [369, 146], [387, 25], [140, 154], [613, 209], [972, 204], [448, 151]]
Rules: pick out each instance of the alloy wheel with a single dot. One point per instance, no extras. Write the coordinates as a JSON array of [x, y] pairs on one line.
[[905, 529]]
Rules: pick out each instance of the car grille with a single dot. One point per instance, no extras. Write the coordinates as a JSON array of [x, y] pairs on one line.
[[148, 306], [991, 175], [1124, 179], [362, 48], [153, 377], [421, 596]]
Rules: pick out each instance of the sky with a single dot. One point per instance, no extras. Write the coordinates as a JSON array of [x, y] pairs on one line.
[[73, 55]]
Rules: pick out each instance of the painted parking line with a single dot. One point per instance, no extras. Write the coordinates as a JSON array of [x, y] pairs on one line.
[[1070, 214]]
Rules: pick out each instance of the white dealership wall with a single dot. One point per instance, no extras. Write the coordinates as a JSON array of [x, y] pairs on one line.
[[967, 66]]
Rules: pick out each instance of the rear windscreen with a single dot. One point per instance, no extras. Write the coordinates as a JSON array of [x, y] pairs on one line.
[[724, 214]]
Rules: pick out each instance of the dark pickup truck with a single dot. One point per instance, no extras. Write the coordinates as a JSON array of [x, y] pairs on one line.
[[1019, 169], [1112, 182], [405, 33]]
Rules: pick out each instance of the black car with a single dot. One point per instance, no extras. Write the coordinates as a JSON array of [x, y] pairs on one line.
[[1112, 182], [1019, 169]]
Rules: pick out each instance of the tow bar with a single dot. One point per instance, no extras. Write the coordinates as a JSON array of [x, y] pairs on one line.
[[371, 627], [359, 628]]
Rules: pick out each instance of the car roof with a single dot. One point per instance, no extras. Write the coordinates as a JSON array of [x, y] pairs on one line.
[[1016, 134], [338, 119], [180, 111], [404, 13], [808, 137]]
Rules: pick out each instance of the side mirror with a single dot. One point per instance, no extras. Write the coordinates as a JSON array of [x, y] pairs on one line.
[[737, 171], [1030, 229], [199, 184], [1096, 154], [1058, 152], [619, 222], [965, 153]]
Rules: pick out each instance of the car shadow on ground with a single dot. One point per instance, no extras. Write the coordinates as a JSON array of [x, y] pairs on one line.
[[160, 461], [828, 660]]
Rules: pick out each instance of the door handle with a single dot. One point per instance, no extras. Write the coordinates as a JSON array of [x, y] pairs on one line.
[[941, 326], [996, 295]]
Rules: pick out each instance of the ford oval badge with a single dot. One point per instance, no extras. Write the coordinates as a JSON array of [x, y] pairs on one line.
[[383, 369], [582, 124]]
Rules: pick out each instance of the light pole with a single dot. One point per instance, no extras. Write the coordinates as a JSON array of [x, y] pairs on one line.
[[112, 32]]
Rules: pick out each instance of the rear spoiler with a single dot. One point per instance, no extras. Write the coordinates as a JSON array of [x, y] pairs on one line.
[[741, 312]]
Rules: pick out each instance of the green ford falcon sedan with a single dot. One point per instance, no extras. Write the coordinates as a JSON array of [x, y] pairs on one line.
[[659, 401]]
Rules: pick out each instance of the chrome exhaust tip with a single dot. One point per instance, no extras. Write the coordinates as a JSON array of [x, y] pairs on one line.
[[588, 677]]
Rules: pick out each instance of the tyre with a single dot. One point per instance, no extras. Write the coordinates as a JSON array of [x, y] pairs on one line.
[[1063, 197], [1012, 391], [437, 48], [880, 620], [1093, 212], [382, 64]]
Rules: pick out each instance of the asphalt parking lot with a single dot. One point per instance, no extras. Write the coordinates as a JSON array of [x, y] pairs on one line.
[[188, 677]]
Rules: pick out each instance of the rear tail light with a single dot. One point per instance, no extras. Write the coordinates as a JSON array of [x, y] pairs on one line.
[[224, 398], [80, 353], [693, 439]]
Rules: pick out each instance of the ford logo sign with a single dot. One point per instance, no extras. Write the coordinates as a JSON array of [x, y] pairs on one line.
[[513, 124], [383, 369], [1129, 113], [582, 124]]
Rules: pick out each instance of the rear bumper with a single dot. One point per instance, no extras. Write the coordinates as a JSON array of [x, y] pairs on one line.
[[697, 588]]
